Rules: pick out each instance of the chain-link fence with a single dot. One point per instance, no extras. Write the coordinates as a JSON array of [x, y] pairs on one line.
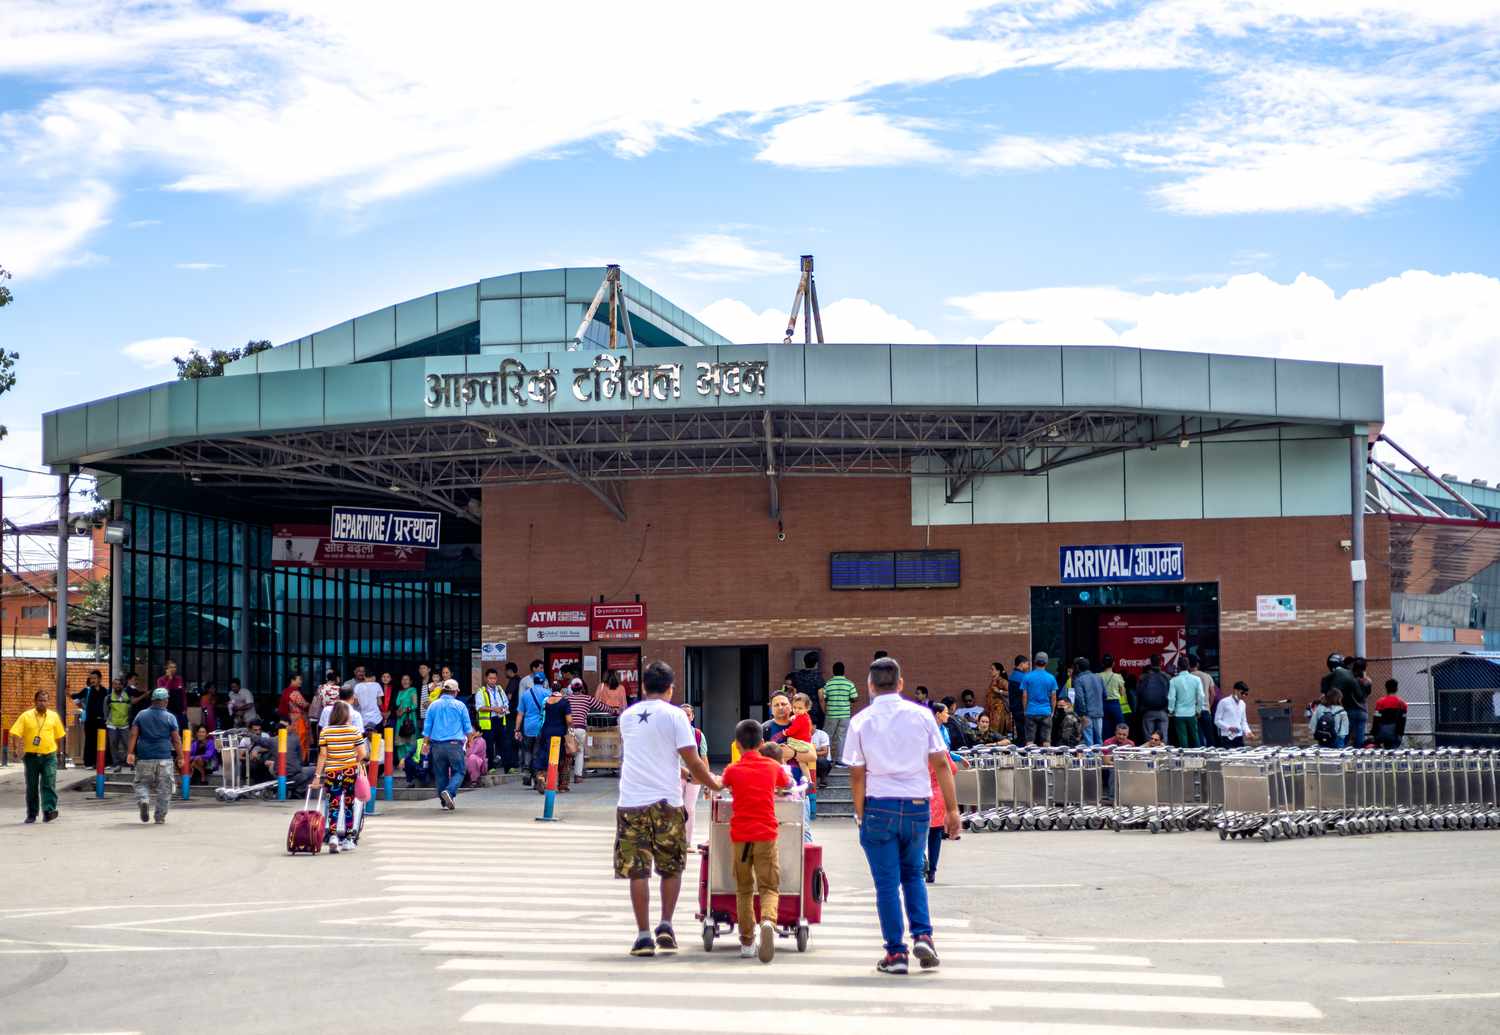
[[1452, 699]]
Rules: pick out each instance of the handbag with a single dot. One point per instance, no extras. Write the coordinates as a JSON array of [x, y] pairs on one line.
[[407, 728], [361, 785], [570, 743]]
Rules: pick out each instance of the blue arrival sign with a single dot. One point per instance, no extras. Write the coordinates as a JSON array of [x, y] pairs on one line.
[[409, 528], [1131, 562]]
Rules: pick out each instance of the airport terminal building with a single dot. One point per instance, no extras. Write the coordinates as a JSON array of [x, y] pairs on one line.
[[610, 489]]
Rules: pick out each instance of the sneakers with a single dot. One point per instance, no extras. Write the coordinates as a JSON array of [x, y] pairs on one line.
[[747, 952], [932, 878], [446, 799], [350, 844], [335, 846], [644, 946], [892, 963], [666, 939], [161, 819], [30, 818], [922, 949], [767, 941], [145, 811]]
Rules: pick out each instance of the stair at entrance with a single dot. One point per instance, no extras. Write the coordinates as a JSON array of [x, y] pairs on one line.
[[834, 796]]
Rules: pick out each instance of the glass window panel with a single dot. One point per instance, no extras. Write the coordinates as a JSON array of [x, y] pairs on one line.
[[174, 544], [191, 546], [158, 532]]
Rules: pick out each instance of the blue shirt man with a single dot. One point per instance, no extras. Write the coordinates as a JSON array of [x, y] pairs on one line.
[[447, 729], [447, 720], [1040, 687], [532, 705]]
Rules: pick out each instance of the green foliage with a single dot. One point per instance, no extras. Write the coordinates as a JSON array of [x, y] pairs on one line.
[[212, 363], [7, 357]]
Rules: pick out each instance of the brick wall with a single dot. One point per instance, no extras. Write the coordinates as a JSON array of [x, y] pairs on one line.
[[21, 678], [704, 556]]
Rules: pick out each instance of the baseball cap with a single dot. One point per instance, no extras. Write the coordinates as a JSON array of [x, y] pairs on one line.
[[159, 694], [1041, 657]]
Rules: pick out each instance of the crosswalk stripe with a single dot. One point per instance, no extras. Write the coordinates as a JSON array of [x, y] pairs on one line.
[[822, 935], [486, 913], [911, 995], [612, 1017], [533, 947], [530, 827], [680, 966]]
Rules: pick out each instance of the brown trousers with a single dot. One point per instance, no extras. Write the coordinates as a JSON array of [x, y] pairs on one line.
[[756, 868]]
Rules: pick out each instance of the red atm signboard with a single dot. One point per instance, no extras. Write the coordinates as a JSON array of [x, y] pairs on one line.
[[618, 621]]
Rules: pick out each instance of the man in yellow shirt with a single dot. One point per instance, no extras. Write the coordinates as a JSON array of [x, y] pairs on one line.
[[39, 732]]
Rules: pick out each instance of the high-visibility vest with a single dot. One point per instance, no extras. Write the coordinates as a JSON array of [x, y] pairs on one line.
[[481, 703]]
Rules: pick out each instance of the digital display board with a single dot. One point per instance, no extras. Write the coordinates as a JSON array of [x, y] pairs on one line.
[[894, 569]]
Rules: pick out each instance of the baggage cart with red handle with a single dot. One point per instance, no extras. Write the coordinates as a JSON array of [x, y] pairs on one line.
[[804, 885]]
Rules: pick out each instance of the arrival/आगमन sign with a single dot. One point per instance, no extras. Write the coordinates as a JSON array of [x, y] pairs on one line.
[[608, 378], [1130, 562], [415, 528]]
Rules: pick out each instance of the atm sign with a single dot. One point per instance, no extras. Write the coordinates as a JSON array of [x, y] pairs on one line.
[[617, 622]]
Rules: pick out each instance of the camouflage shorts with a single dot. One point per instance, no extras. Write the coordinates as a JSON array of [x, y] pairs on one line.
[[651, 833]]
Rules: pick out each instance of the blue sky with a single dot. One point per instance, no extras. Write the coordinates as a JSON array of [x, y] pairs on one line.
[[1248, 179]]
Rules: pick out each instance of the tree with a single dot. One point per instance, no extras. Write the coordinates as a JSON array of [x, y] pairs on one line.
[[7, 358], [211, 364]]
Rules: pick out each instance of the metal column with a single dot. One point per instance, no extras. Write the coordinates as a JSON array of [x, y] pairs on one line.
[[1358, 448], [242, 635], [116, 606], [61, 588]]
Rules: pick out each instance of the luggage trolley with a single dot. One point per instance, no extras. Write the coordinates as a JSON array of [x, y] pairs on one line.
[[234, 768], [804, 885]]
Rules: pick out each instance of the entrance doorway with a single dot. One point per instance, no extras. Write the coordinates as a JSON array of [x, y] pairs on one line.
[[1131, 622], [725, 685]]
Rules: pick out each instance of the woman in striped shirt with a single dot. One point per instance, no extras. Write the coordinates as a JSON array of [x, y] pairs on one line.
[[341, 750]]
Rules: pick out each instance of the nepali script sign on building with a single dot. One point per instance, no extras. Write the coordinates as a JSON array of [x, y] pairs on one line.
[[412, 528], [610, 377], [1130, 562]]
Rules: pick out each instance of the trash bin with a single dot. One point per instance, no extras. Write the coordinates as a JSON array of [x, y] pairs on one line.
[[1275, 725]]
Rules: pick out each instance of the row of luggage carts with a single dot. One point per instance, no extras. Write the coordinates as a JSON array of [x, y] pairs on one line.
[[1268, 794]]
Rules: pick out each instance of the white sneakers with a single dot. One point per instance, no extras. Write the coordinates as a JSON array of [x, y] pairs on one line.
[[767, 941], [747, 952]]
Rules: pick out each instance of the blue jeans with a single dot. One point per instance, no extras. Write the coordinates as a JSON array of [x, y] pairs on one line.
[[448, 765], [1093, 731], [1358, 717], [894, 837], [1113, 716]]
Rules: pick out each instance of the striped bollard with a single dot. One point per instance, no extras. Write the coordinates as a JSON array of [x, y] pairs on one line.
[[99, 766], [550, 803], [377, 750], [187, 766], [281, 765], [390, 764]]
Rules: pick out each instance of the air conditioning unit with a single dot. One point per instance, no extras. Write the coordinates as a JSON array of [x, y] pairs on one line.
[[1481, 483]]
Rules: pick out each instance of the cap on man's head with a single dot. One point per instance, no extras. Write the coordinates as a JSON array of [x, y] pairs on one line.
[[159, 694], [450, 686], [1040, 659]]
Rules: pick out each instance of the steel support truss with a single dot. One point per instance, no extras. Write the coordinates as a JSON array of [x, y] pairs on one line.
[[445, 463]]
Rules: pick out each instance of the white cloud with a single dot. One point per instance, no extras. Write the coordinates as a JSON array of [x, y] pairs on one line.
[[848, 320], [1432, 333], [158, 352], [142, 224], [843, 136], [39, 236], [721, 256], [200, 266]]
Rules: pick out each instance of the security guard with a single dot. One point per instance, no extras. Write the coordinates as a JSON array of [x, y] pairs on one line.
[[40, 734], [492, 705]]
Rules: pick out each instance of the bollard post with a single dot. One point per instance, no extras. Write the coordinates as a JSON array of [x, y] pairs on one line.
[[281, 765], [99, 766], [187, 765], [734, 751], [390, 764], [377, 752], [550, 802]]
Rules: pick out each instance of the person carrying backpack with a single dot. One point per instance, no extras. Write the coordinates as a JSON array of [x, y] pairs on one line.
[[1330, 722]]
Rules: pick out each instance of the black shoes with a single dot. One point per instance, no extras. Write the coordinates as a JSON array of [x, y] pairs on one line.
[[644, 946], [31, 818], [48, 817], [666, 940]]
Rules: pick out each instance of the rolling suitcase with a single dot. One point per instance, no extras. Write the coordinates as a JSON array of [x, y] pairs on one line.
[[305, 834]]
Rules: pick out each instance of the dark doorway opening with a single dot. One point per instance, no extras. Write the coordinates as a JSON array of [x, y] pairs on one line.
[[725, 685], [1128, 621]]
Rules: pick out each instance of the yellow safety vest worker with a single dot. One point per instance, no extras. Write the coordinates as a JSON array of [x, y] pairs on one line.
[[482, 704]]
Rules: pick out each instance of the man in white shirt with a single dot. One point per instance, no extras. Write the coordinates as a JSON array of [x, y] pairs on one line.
[[891, 747], [356, 717], [241, 705], [657, 742], [367, 695], [1231, 719]]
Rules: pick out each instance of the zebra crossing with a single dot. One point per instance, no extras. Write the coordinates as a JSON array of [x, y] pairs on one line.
[[552, 955]]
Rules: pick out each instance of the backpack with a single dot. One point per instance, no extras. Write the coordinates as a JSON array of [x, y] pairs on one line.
[[1325, 730]]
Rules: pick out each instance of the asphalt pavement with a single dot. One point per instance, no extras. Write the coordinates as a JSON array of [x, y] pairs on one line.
[[484, 917]]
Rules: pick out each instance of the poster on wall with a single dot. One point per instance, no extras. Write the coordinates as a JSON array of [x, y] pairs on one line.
[[308, 546], [557, 623], [1133, 636], [1276, 608], [626, 663]]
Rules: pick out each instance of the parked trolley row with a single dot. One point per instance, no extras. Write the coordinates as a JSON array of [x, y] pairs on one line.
[[1266, 793]]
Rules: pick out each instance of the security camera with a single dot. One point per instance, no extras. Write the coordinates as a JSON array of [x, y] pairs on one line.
[[1345, 545], [781, 537]]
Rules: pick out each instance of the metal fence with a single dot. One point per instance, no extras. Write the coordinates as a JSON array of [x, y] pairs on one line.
[[1452, 699]]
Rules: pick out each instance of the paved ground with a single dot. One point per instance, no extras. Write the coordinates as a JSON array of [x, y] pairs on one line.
[[486, 917]]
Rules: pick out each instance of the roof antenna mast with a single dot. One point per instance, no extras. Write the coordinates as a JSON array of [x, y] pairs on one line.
[[805, 299], [613, 288]]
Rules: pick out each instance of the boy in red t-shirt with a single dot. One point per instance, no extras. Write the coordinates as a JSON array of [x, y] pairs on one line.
[[753, 781]]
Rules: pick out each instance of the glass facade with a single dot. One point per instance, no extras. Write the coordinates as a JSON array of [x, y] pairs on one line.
[[188, 582], [1065, 619]]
